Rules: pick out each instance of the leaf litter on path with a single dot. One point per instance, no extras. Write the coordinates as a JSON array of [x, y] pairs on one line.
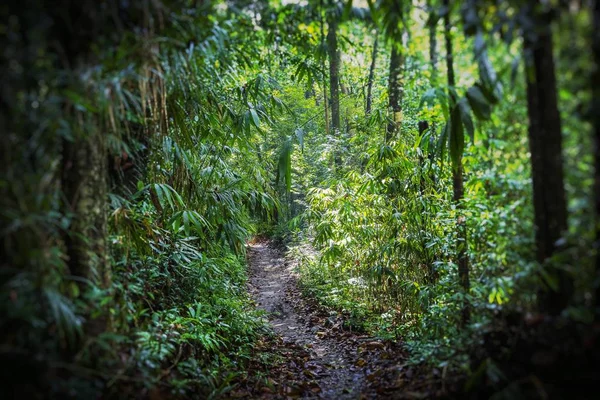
[[320, 360]]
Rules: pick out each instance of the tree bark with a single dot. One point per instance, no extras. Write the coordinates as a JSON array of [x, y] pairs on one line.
[[457, 176], [84, 182], [84, 175], [325, 100], [371, 76], [545, 142], [334, 73], [433, 56], [395, 92], [596, 124]]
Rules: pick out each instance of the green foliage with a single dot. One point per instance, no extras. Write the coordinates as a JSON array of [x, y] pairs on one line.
[[182, 122], [211, 123], [383, 226]]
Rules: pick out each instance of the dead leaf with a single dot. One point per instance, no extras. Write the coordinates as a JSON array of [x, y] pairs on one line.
[[374, 345]]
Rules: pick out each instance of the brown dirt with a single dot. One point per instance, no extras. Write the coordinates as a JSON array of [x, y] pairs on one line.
[[331, 362], [322, 360]]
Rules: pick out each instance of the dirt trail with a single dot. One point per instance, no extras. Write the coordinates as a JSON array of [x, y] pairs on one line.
[[336, 364]]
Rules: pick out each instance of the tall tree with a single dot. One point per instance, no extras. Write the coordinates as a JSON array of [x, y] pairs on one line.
[[369, 102], [393, 12], [433, 52], [325, 100], [596, 124], [545, 142], [395, 91], [456, 136], [84, 175], [334, 68]]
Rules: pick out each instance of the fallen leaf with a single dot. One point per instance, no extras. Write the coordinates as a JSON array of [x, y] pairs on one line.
[[374, 345]]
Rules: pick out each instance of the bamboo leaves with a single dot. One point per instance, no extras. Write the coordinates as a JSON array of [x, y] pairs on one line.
[[460, 120], [190, 220], [255, 119], [465, 117], [167, 196], [479, 103]]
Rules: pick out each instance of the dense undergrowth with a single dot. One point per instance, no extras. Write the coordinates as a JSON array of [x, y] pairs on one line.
[[383, 226], [147, 142], [153, 300]]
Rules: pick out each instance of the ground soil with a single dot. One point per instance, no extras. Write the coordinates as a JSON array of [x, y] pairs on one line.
[[320, 359]]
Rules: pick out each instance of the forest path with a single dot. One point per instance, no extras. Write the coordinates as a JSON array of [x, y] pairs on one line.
[[324, 361]]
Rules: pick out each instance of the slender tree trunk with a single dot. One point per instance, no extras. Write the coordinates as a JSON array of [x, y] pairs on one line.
[[372, 75], [326, 107], [423, 126], [334, 83], [396, 92], [545, 142], [325, 100], [433, 59], [596, 123], [457, 175], [433, 56], [334, 73]]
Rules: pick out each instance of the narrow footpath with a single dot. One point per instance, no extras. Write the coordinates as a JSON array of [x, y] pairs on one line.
[[324, 361]]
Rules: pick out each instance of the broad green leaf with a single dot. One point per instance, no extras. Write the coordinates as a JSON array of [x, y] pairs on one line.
[[443, 141], [186, 222], [465, 116], [300, 136], [479, 103], [255, 119]]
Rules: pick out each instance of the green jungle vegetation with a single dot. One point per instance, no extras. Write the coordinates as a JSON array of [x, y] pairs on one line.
[[440, 160]]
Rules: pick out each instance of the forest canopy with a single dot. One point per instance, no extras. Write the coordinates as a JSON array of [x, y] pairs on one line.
[[198, 196]]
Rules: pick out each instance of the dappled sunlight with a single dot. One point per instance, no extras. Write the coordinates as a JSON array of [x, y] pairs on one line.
[[321, 199]]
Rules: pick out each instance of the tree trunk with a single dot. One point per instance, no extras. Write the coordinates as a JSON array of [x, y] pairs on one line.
[[326, 107], [334, 73], [431, 275], [84, 180], [84, 175], [545, 142], [433, 57], [596, 123], [325, 100], [371, 76], [457, 176], [395, 92], [334, 83]]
